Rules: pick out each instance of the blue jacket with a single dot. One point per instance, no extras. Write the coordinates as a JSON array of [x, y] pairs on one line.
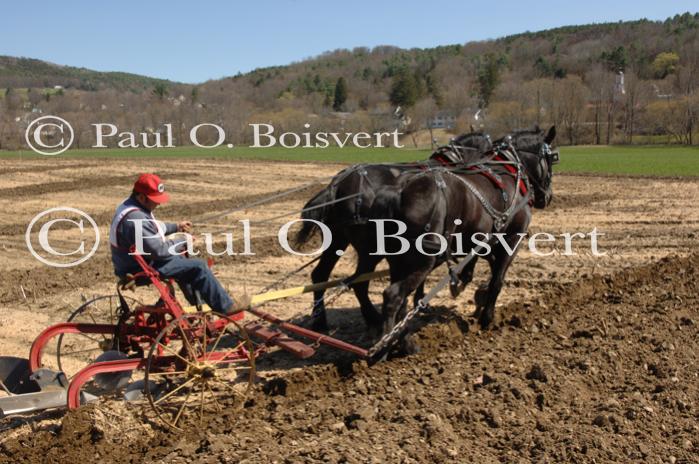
[[122, 235]]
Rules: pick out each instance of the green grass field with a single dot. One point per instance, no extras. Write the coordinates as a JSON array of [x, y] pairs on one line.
[[663, 160]]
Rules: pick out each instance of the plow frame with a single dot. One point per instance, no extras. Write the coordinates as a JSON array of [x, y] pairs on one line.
[[137, 330]]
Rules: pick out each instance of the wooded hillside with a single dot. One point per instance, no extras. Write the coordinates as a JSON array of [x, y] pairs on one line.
[[627, 82]]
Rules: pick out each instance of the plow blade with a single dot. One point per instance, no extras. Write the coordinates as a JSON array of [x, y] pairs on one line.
[[23, 392], [30, 402], [38, 401]]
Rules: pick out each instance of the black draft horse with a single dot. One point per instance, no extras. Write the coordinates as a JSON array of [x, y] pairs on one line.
[[527, 142], [445, 203], [347, 219]]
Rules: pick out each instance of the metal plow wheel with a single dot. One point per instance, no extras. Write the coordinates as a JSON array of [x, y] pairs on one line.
[[75, 351], [200, 364]]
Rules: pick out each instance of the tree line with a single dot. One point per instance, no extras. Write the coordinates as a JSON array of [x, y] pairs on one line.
[[626, 82]]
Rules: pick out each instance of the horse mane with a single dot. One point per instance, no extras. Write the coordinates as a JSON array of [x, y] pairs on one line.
[[459, 140], [464, 141], [528, 140]]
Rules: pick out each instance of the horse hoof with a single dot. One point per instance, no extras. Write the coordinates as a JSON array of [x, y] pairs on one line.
[[456, 289], [485, 320], [408, 346]]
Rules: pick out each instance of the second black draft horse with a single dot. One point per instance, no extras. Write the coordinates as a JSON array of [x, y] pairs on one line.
[[344, 206], [446, 202]]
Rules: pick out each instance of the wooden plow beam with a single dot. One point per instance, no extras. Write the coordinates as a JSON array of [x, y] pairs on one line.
[[294, 291]]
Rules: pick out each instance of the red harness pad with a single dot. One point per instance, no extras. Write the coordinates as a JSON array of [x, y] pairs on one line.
[[444, 161], [510, 168]]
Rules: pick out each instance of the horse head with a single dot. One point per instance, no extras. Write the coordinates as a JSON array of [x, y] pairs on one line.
[[534, 150]]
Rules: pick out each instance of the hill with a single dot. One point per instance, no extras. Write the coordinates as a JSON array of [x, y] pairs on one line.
[[29, 72], [625, 82], [509, 76]]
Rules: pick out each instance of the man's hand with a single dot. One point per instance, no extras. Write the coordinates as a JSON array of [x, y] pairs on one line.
[[184, 226]]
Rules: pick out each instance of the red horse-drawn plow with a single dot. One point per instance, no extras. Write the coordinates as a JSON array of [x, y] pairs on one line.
[[180, 361]]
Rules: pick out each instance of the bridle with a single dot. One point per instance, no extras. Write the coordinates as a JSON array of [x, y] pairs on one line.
[[546, 158]]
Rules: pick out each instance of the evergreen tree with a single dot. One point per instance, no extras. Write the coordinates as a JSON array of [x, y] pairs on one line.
[[160, 90], [404, 90], [488, 78], [340, 94], [616, 60]]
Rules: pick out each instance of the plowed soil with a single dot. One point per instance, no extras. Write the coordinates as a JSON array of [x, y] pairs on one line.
[[591, 360]]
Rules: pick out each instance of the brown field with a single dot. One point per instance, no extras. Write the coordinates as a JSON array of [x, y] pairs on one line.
[[594, 359]]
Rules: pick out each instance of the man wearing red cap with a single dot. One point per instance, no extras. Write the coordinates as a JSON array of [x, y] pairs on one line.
[[134, 224]]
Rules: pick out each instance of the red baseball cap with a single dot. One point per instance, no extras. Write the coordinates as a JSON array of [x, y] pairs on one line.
[[152, 187]]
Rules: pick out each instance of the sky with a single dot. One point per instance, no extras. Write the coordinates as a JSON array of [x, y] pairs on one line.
[[192, 42]]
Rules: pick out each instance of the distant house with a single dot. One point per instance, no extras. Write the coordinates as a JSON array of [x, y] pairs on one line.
[[442, 120], [658, 94]]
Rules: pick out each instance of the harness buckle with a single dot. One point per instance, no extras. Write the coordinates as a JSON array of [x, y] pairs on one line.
[[499, 222]]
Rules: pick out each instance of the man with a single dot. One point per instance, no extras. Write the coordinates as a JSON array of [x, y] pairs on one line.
[[134, 219]]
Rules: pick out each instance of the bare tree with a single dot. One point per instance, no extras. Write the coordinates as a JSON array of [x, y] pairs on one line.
[[571, 95]]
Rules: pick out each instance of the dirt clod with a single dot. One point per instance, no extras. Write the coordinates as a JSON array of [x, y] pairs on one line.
[[537, 373]]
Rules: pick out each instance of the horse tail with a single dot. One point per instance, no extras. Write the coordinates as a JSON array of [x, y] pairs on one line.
[[386, 205], [316, 210]]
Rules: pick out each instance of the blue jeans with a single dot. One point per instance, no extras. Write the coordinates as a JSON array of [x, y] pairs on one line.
[[194, 274]]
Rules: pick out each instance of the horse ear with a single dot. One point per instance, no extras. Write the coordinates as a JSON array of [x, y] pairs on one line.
[[472, 129], [537, 129], [550, 136]]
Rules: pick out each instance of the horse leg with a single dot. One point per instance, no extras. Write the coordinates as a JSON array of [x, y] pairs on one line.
[[419, 294], [499, 264], [464, 278], [392, 301], [480, 297], [321, 273], [407, 344], [366, 263], [405, 281]]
